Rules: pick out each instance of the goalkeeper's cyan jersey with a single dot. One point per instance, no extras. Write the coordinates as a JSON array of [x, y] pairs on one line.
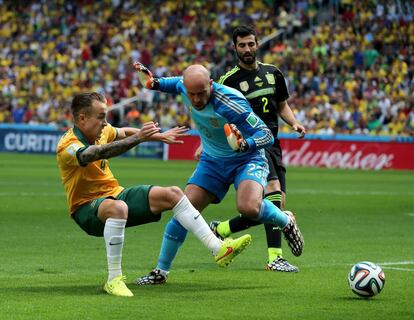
[[226, 105], [85, 183]]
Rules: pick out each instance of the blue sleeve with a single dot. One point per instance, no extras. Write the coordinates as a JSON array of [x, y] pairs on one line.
[[257, 134], [236, 109], [171, 85]]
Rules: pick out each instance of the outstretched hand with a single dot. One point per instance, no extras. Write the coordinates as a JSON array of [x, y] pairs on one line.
[[170, 136], [148, 130]]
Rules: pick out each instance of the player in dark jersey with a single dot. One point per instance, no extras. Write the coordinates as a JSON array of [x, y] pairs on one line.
[[265, 88]]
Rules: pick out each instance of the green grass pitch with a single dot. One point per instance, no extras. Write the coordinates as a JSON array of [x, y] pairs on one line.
[[50, 269]]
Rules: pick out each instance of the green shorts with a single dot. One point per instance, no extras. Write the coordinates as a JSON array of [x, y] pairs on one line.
[[139, 211]]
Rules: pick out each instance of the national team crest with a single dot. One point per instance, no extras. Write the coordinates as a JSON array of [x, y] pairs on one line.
[[214, 123], [270, 78], [244, 86]]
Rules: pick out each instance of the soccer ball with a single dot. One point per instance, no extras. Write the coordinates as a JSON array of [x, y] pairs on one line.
[[366, 279]]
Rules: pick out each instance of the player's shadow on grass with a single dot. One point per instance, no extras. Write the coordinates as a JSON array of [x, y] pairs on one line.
[[191, 287], [94, 289], [69, 290], [356, 298]]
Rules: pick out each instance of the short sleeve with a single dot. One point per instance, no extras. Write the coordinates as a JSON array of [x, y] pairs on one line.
[[68, 156], [111, 133], [282, 92]]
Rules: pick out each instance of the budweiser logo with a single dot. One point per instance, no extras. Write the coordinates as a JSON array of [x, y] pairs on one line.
[[334, 157]]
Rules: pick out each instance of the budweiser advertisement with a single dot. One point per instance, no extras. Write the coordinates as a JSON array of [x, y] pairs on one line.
[[348, 154], [327, 153]]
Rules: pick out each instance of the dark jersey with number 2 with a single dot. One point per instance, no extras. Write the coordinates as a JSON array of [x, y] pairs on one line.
[[264, 88]]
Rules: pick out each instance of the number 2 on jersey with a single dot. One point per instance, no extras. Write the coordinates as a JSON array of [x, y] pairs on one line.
[[255, 170], [265, 102]]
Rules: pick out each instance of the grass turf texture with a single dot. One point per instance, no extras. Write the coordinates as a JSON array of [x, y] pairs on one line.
[[50, 269]]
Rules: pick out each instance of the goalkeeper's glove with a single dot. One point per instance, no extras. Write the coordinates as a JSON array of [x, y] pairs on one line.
[[235, 138], [145, 76]]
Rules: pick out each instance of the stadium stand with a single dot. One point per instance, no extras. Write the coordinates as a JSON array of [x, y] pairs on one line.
[[349, 64]]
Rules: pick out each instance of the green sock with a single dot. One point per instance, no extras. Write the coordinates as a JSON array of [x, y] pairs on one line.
[[223, 229], [274, 253]]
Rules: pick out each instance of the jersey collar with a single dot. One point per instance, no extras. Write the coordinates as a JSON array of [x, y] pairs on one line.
[[78, 133], [249, 70]]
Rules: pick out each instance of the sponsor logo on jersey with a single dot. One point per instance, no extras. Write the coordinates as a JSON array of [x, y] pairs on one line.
[[252, 120], [244, 86], [93, 203], [270, 78], [258, 82], [103, 164]]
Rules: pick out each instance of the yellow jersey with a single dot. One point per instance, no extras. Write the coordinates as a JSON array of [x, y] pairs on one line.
[[93, 180]]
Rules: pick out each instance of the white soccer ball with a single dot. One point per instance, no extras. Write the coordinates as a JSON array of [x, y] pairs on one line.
[[366, 279]]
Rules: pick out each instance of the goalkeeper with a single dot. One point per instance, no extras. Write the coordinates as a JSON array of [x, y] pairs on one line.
[[212, 106], [264, 86]]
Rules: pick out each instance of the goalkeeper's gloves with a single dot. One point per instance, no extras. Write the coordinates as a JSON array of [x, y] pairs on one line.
[[243, 146], [235, 138], [145, 76]]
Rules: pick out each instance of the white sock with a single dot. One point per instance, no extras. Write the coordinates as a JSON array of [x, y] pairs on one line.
[[192, 220], [114, 239]]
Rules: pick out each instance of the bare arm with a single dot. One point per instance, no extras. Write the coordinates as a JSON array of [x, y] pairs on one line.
[[129, 138], [109, 150], [115, 148], [286, 113], [126, 132], [170, 136]]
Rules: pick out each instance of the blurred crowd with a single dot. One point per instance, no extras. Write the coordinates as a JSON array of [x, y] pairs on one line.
[[349, 64], [353, 74]]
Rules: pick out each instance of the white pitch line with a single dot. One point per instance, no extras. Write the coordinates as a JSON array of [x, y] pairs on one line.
[[399, 263], [344, 193], [350, 193], [385, 265], [232, 191], [28, 183], [389, 265], [398, 269], [338, 193], [31, 194]]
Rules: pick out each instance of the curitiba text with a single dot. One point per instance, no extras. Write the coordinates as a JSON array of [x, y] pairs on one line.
[[30, 142]]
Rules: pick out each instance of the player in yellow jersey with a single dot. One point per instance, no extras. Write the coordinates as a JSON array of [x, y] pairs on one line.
[[101, 207]]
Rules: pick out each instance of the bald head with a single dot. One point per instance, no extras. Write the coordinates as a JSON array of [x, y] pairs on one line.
[[198, 84], [196, 74]]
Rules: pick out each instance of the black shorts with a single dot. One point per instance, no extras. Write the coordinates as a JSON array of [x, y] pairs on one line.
[[277, 170]]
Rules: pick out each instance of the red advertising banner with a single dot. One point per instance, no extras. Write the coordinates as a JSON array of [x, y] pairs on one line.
[[184, 151], [327, 153], [348, 154]]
